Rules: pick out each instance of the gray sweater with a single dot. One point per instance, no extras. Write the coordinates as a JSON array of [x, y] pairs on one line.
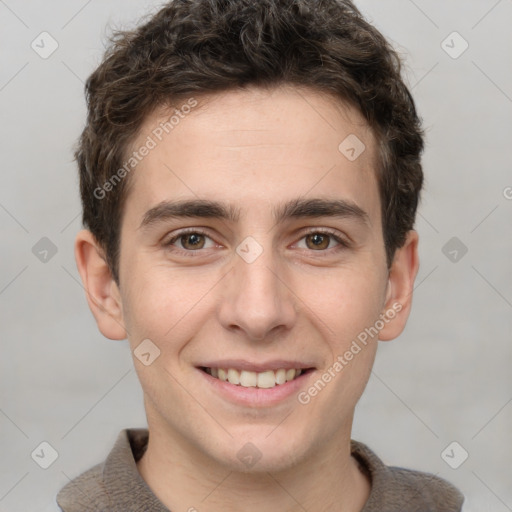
[[116, 485]]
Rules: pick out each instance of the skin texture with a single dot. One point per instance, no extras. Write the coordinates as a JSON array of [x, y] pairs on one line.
[[253, 150]]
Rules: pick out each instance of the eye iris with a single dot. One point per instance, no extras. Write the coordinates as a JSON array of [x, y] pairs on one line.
[[318, 240], [192, 241]]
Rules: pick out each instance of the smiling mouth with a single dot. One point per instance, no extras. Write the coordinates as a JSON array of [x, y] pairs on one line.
[[247, 379]]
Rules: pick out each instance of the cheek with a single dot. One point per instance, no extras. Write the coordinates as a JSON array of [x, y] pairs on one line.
[[344, 309], [164, 305], [344, 302]]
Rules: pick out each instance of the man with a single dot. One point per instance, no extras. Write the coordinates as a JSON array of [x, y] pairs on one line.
[[250, 173]]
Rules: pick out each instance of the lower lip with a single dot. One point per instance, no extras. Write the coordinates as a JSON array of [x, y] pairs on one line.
[[256, 397]]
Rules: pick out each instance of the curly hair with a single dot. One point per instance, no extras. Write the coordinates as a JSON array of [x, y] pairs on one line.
[[207, 46]]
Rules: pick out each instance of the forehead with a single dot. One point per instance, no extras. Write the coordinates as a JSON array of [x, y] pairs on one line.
[[254, 147]]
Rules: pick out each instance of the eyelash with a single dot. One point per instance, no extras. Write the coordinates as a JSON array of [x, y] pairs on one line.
[[342, 244]]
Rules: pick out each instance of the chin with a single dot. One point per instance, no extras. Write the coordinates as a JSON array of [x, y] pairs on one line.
[[258, 452], [250, 460]]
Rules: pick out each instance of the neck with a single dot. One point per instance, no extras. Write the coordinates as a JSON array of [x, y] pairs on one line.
[[185, 478]]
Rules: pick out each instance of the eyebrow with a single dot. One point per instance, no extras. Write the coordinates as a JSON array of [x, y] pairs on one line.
[[296, 208]]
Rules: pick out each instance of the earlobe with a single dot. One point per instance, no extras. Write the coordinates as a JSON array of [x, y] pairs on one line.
[[400, 287], [101, 290]]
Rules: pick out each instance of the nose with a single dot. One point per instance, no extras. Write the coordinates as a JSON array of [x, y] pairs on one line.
[[258, 300]]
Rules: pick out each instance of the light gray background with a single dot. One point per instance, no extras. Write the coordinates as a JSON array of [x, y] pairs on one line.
[[447, 378]]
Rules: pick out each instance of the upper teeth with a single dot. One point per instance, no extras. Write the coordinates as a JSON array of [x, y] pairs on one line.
[[266, 379]]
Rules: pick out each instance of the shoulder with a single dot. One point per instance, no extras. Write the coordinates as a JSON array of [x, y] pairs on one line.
[[112, 484], [86, 492], [394, 487], [427, 489]]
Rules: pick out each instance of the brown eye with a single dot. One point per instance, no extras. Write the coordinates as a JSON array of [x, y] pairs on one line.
[[317, 241], [192, 241], [323, 242]]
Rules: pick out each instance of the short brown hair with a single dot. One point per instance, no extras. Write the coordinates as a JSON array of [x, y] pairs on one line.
[[193, 47]]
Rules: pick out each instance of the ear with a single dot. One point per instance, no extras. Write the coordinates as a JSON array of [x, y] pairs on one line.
[[101, 290], [400, 287]]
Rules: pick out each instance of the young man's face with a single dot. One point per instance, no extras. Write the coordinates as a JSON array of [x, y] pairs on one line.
[[277, 283]]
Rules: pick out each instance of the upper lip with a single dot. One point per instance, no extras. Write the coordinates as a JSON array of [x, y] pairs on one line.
[[240, 364]]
